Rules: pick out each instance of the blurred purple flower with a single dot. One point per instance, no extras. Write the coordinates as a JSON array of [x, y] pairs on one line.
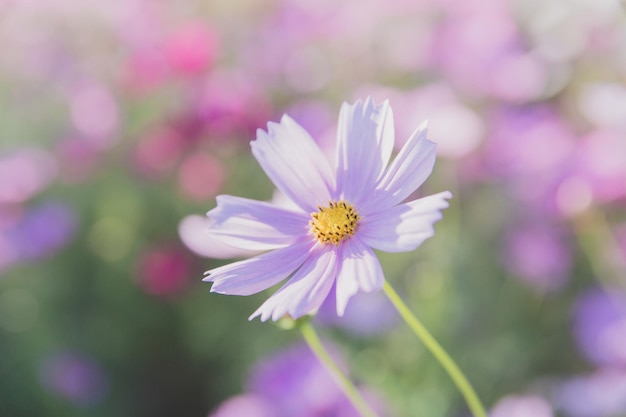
[[538, 254], [601, 394], [367, 314], [532, 141], [499, 66], [531, 149], [599, 322], [341, 216], [75, 377], [296, 384], [36, 233]]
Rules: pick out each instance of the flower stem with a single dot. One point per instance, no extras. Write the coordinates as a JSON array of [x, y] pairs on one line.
[[440, 354], [598, 243], [311, 338]]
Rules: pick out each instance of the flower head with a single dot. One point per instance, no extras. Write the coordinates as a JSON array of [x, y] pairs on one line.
[[326, 239]]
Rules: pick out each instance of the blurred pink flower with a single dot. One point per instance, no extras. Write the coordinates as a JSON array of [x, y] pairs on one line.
[[200, 176], [164, 271], [145, 69], [538, 254], [158, 151], [191, 49], [158, 55], [77, 159], [94, 113], [25, 172], [230, 106], [245, 405], [521, 406], [479, 48], [600, 161]]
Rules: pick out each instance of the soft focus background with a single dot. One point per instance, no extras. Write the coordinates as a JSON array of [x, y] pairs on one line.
[[119, 119]]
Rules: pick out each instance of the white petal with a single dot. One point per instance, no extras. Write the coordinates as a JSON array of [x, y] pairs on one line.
[[406, 173], [305, 291], [259, 273], [255, 225], [365, 139], [294, 163], [193, 231], [404, 227], [359, 269]]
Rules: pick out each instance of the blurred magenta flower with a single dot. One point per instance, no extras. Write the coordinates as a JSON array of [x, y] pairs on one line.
[[163, 271], [295, 383], [341, 216], [75, 377], [191, 49], [600, 326], [229, 106]]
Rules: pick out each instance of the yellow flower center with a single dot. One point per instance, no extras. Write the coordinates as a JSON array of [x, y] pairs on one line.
[[335, 222]]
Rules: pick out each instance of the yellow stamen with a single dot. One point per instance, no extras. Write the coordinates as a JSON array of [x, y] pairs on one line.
[[335, 222]]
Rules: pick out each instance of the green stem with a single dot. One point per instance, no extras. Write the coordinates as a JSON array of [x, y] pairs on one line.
[[597, 241], [310, 336], [440, 354]]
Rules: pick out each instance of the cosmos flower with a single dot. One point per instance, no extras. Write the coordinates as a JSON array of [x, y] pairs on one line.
[[326, 242]]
